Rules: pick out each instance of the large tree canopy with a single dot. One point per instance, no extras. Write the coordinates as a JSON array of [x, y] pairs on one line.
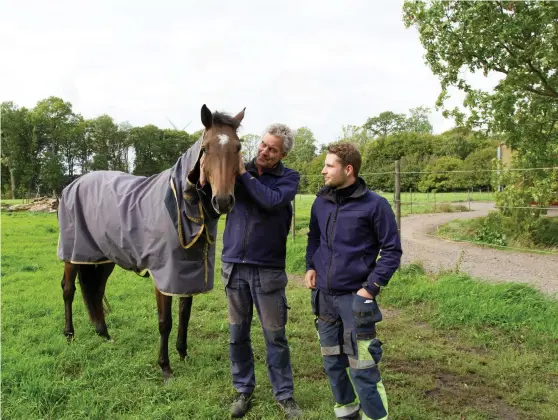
[[519, 41]]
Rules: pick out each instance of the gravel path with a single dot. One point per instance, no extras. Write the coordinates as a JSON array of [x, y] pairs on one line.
[[538, 270]]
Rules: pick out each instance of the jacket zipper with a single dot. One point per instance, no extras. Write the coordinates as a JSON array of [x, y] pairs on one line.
[[331, 244], [246, 237]]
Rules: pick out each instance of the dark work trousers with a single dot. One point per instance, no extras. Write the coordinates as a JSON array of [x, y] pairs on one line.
[[247, 286], [346, 327]]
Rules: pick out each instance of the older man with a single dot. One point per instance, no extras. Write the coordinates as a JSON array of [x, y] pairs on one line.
[[254, 252]]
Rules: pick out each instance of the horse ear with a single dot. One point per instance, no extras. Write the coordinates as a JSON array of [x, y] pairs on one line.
[[206, 117], [240, 116]]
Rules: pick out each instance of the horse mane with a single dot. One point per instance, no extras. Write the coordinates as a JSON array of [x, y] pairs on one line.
[[222, 118]]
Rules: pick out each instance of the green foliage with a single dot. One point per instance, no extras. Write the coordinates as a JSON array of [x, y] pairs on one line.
[[518, 41], [502, 231], [386, 123], [440, 176], [250, 144], [491, 231]]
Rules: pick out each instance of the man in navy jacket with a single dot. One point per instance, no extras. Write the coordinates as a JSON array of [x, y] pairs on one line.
[[349, 226], [253, 259]]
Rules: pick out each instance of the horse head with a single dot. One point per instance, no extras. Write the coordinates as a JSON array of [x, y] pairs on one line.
[[221, 149]]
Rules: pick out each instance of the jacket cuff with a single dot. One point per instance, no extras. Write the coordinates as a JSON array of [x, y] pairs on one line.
[[246, 176], [373, 289]]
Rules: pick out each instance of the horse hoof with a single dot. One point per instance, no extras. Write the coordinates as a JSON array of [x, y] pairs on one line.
[[167, 378], [69, 336]]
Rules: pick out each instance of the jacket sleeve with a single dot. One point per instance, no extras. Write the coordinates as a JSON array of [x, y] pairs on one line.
[[283, 191], [385, 229], [313, 238]]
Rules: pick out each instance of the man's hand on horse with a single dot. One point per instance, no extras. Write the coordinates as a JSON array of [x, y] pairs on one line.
[[241, 167]]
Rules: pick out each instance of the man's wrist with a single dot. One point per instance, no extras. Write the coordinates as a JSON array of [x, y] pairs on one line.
[[373, 289]]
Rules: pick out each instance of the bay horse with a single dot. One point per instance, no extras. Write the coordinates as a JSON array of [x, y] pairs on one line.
[[163, 226]]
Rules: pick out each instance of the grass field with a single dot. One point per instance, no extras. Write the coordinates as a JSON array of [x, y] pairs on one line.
[[453, 348]]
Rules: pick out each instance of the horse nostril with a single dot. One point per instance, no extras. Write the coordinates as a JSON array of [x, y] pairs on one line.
[[214, 203]]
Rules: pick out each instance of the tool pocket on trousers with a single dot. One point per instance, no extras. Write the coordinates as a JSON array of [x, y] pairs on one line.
[[349, 343], [314, 301], [365, 311], [272, 279], [226, 274], [375, 350]]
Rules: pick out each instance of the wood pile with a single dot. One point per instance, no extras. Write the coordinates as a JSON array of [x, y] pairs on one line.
[[40, 204]]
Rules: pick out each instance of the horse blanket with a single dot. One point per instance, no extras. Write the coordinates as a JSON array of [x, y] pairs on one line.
[[162, 225]]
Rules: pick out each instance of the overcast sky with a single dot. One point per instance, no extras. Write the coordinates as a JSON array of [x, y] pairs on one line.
[[320, 64]]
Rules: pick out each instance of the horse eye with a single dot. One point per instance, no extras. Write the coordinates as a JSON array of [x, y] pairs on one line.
[[238, 147]]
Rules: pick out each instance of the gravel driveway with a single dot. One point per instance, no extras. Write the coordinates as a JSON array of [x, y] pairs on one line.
[[538, 270]]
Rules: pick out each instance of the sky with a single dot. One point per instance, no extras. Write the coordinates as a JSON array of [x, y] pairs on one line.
[[320, 64]]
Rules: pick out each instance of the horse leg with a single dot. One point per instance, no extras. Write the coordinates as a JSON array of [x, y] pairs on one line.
[[103, 273], [92, 280], [68, 292], [183, 319], [164, 306]]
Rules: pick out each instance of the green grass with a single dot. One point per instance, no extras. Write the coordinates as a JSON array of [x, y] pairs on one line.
[[452, 346], [544, 239], [11, 202]]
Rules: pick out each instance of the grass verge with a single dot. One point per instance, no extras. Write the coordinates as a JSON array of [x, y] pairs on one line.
[[487, 231]]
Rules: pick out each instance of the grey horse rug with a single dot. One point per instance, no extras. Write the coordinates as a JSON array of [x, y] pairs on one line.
[[162, 225]]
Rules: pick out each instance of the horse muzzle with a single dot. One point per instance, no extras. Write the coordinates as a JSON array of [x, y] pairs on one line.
[[223, 204]]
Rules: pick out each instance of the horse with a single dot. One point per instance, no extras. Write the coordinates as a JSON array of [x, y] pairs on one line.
[[163, 226]]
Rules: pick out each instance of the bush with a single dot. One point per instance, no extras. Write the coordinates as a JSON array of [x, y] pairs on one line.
[[500, 230], [491, 231]]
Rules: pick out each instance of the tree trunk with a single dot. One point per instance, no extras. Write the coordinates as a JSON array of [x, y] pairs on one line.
[[12, 182]]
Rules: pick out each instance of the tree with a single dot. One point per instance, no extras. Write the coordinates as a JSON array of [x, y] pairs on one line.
[[478, 164], [441, 176], [386, 123], [53, 121], [516, 40], [353, 134], [304, 149], [419, 122], [16, 138], [250, 144]]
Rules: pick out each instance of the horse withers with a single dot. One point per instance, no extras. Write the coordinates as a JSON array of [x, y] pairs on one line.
[[163, 226]]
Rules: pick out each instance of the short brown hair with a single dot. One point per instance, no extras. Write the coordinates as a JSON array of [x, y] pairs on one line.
[[348, 154]]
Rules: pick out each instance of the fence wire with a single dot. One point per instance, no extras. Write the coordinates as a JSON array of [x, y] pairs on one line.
[[400, 189]]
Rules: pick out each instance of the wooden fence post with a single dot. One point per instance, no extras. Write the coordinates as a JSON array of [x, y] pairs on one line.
[[398, 196], [294, 217]]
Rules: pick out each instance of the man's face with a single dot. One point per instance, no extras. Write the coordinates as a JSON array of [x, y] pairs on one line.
[[334, 174], [270, 151]]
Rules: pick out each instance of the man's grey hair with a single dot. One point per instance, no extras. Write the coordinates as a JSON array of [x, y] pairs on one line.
[[284, 133]]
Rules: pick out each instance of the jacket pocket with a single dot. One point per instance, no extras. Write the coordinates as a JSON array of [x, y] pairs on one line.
[[226, 273], [272, 279]]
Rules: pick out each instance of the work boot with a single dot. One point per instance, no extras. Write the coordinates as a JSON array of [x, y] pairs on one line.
[[290, 408], [354, 416], [241, 404]]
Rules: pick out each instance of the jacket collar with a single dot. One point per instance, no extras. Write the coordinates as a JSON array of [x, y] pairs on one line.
[[329, 193], [277, 170]]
